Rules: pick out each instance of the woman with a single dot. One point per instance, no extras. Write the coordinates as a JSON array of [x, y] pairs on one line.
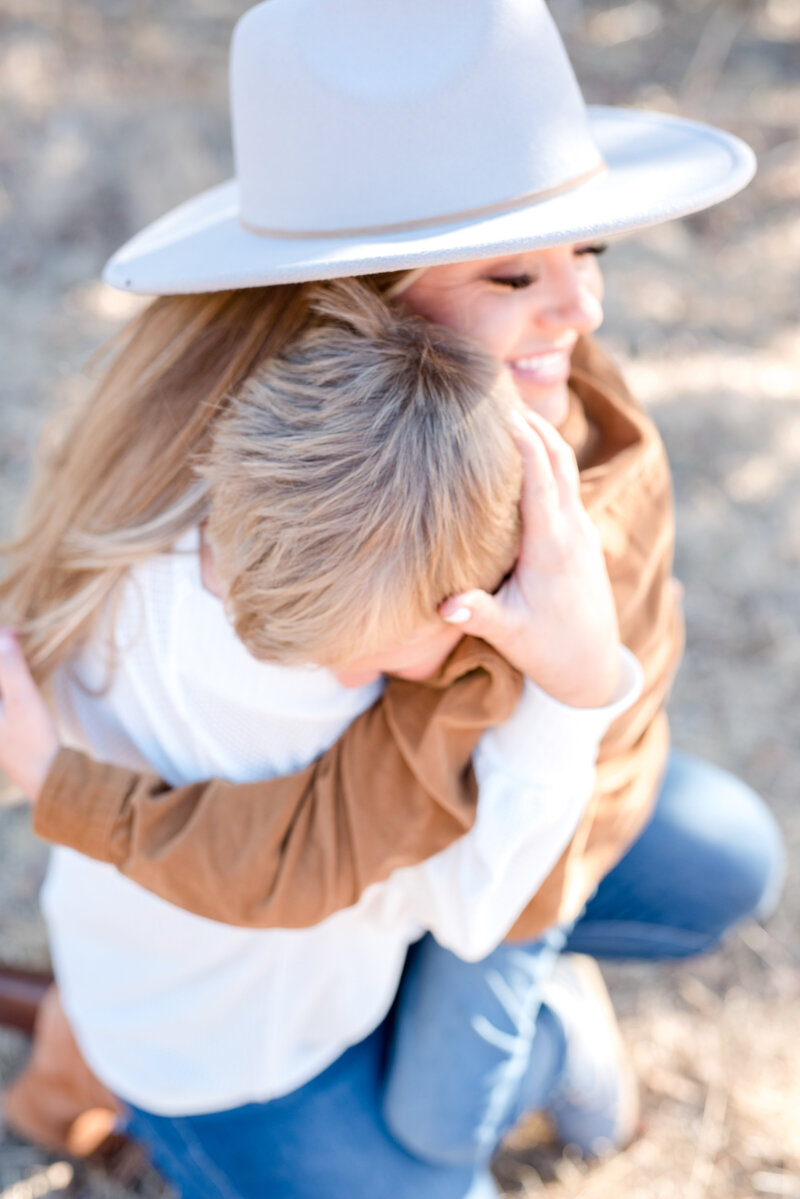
[[411, 137]]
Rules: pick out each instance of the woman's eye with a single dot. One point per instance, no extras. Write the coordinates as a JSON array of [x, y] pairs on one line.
[[517, 282], [513, 281]]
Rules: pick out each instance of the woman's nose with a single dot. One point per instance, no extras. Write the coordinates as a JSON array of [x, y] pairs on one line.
[[572, 304]]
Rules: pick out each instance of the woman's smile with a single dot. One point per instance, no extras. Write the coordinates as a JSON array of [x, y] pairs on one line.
[[527, 310], [546, 367]]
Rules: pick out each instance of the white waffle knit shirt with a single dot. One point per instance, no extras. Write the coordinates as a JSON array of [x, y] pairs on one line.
[[179, 1014]]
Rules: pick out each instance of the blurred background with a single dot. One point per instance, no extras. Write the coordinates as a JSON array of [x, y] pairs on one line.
[[114, 110]]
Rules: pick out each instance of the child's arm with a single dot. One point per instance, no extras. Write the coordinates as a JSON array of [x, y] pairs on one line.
[[397, 787]]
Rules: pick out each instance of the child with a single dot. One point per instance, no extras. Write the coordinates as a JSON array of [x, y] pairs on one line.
[[405, 427]]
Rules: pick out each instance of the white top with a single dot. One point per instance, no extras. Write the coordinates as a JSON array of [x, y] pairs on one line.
[[181, 1015]]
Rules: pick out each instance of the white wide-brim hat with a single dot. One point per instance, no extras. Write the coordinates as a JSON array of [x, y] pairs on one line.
[[375, 135]]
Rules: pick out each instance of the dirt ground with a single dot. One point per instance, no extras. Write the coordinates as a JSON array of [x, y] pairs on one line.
[[113, 110]]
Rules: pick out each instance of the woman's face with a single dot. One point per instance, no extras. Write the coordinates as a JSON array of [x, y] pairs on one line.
[[525, 309]]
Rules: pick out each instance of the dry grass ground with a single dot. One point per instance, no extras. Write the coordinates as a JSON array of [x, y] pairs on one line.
[[115, 109]]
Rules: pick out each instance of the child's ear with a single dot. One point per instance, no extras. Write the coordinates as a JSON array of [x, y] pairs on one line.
[[208, 567]]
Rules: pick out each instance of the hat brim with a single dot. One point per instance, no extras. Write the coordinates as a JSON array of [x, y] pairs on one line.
[[659, 167]]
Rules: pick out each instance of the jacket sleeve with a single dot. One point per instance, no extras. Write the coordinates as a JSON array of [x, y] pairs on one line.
[[288, 852]]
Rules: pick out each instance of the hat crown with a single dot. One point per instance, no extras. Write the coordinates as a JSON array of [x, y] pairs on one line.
[[355, 115]]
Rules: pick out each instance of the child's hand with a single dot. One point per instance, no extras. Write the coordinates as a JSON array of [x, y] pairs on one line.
[[28, 738], [555, 618]]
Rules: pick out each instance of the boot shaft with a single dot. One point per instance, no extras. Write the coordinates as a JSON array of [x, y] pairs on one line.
[[21, 992]]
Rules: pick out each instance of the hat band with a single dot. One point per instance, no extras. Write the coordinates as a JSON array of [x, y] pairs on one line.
[[465, 214]]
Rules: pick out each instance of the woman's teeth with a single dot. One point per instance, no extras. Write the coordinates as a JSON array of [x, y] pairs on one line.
[[554, 364]]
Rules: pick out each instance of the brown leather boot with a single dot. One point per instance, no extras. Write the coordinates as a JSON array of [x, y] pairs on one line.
[[21, 994], [57, 1101]]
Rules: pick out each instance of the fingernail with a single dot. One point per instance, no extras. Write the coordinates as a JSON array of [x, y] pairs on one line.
[[460, 616], [6, 641]]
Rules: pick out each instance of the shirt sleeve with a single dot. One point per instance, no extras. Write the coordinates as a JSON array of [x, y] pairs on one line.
[[536, 774], [287, 852]]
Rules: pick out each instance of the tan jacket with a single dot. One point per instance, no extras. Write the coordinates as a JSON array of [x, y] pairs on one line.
[[398, 786]]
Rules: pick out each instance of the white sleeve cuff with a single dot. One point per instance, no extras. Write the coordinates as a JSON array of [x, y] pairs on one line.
[[545, 739]]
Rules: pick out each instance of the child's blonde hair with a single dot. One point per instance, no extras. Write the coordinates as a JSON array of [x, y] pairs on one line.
[[122, 482], [358, 480]]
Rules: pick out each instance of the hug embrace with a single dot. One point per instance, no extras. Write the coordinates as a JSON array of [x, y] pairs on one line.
[[340, 626]]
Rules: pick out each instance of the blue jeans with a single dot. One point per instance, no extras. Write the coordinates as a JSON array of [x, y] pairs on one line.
[[326, 1140], [416, 1110]]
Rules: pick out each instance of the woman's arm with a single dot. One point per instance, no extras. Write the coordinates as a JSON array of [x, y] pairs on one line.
[[397, 788], [285, 852]]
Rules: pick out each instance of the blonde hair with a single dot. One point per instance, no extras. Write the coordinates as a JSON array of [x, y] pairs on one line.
[[122, 482], [358, 480]]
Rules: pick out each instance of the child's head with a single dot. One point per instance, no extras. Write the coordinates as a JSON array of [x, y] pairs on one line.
[[357, 481]]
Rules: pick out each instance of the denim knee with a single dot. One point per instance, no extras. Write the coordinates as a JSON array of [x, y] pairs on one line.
[[467, 1042], [710, 857], [744, 856]]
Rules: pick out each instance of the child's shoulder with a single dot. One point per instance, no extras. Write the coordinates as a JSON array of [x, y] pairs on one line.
[[154, 589], [177, 627]]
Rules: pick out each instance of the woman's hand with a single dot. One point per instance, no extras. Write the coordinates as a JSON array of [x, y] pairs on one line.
[[28, 738], [554, 618]]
